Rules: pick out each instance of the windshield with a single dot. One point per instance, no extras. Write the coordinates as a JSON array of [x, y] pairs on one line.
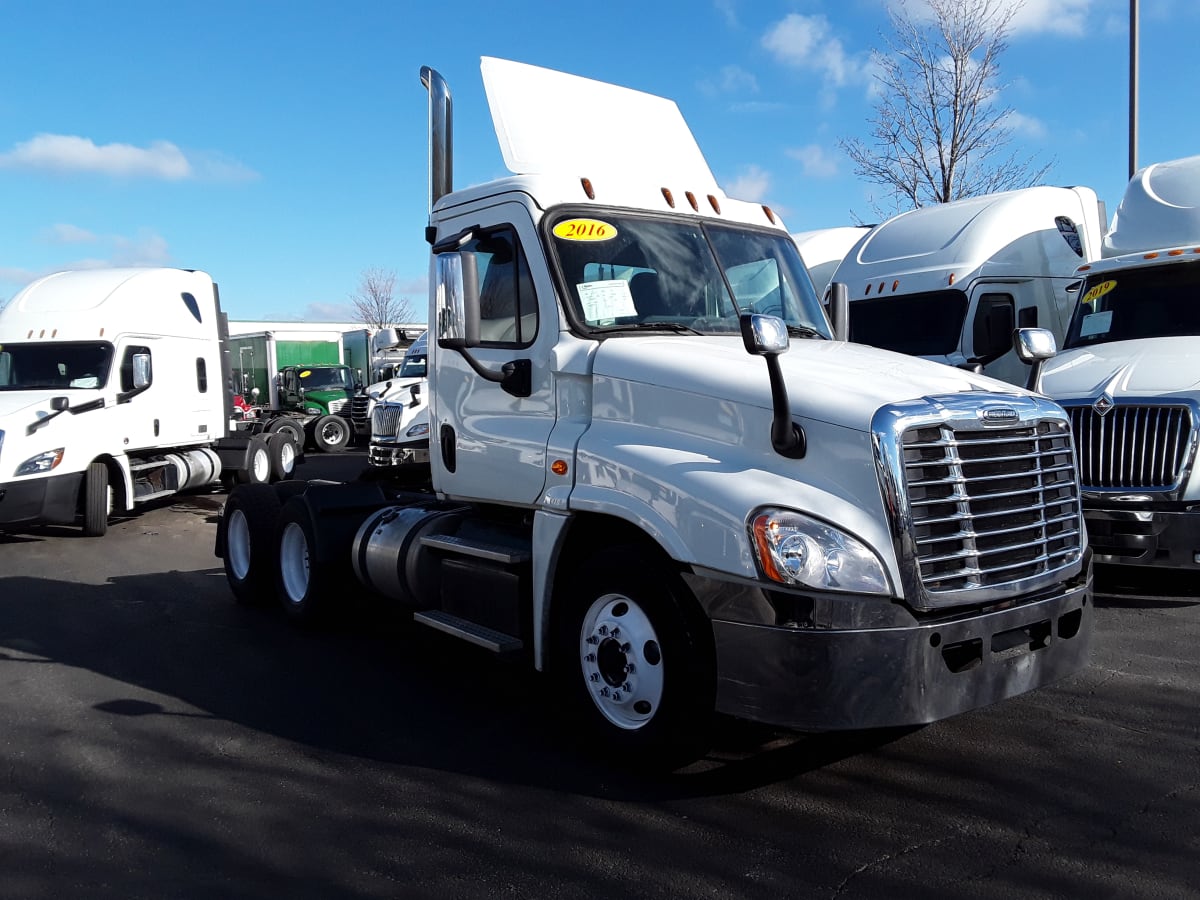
[[412, 367], [330, 379], [1155, 301], [83, 364], [919, 325], [630, 272]]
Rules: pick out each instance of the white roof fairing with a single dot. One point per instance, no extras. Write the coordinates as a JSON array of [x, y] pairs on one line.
[[549, 122]]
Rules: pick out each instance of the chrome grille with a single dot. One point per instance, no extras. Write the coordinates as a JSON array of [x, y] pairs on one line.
[[1132, 446], [359, 405], [338, 407], [385, 420], [991, 507]]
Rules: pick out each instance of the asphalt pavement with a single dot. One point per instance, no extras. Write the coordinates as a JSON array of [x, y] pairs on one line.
[[157, 740]]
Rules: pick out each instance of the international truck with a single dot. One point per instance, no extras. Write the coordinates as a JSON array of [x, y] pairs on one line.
[[115, 392], [299, 384], [823, 249], [670, 503], [379, 356], [400, 415], [1127, 374], [951, 282]]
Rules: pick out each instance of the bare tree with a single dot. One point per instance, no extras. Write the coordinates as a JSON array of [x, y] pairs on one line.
[[938, 132], [376, 303]]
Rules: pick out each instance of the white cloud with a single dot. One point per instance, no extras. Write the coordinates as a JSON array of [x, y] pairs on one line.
[[815, 160], [64, 154], [730, 80], [1061, 17], [807, 42], [1027, 126], [728, 11], [751, 184], [64, 233]]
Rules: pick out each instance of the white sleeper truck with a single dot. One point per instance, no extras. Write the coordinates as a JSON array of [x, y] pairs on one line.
[[951, 282], [669, 500], [1128, 374], [114, 391]]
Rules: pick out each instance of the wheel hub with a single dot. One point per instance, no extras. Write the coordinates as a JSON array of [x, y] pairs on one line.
[[621, 661]]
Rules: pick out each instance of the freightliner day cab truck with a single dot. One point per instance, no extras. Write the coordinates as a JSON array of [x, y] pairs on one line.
[[951, 282], [638, 490], [115, 391], [1128, 374]]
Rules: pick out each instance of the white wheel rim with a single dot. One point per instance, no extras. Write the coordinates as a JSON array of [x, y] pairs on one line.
[[262, 466], [331, 433], [293, 562], [287, 457], [237, 544], [621, 659]]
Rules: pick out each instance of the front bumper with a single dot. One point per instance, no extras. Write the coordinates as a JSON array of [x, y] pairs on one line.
[[854, 678], [385, 455], [53, 500], [1168, 539]]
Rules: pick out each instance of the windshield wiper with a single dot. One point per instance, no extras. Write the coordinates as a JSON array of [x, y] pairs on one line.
[[805, 331], [677, 327]]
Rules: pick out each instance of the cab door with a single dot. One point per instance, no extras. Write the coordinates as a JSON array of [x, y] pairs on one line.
[[488, 441]]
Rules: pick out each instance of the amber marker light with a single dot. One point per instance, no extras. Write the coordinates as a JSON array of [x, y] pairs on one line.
[[587, 188], [691, 199], [1174, 253], [669, 197], [951, 281], [559, 467], [770, 214], [895, 284], [762, 525], [1150, 256], [712, 201]]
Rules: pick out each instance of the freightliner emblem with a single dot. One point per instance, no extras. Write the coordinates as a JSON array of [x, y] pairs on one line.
[[998, 415], [1103, 404]]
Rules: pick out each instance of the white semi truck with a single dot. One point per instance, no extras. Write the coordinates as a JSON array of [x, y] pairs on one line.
[[400, 415], [1127, 374], [673, 503], [951, 282], [115, 391]]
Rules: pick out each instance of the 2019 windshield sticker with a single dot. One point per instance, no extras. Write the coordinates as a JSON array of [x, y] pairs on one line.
[[1099, 290], [584, 230]]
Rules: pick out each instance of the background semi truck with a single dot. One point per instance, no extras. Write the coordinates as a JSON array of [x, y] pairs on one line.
[[299, 384], [671, 502], [399, 415], [115, 391], [951, 282], [1128, 374]]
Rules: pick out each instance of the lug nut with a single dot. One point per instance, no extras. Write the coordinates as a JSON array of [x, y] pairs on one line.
[[591, 657]]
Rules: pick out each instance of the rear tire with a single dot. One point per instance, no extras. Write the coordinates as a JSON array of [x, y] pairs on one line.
[[331, 434], [258, 462], [634, 654], [96, 500], [287, 425], [246, 542], [302, 583], [282, 450]]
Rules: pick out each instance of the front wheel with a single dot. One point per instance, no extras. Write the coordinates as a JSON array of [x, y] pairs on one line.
[[636, 653], [331, 434], [97, 500]]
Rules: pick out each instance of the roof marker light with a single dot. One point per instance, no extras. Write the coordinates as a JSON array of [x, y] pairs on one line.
[[951, 281], [868, 290], [895, 284], [669, 197], [712, 201], [770, 214], [1150, 256], [587, 188], [1174, 253], [691, 198]]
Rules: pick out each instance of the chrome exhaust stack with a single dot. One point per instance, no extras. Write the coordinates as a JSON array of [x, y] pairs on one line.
[[441, 135]]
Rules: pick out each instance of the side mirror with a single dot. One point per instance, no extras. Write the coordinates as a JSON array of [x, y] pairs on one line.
[[767, 336], [58, 404], [1034, 346], [457, 296], [142, 373], [838, 310]]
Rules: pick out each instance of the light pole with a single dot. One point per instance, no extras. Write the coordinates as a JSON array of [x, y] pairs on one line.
[[1133, 71]]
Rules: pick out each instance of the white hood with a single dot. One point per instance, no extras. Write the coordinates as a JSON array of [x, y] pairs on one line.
[[1150, 367], [22, 407], [818, 374]]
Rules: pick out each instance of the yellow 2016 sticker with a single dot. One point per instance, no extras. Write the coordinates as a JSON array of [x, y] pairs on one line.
[[1098, 290], [584, 230]]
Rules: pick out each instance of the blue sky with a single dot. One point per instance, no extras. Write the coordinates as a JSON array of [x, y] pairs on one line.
[[281, 146]]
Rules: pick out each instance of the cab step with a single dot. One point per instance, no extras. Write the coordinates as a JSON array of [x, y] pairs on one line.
[[497, 553], [472, 632]]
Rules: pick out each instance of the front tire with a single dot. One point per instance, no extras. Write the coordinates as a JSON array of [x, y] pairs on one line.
[[637, 656], [331, 434], [246, 537], [96, 500]]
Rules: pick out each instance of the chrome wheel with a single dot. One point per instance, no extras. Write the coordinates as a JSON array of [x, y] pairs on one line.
[[621, 660]]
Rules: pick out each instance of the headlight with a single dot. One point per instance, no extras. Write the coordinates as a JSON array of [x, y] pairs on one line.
[[315, 410], [795, 549], [43, 462], [421, 429]]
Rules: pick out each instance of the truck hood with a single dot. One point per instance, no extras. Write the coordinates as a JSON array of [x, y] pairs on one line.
[[22, 407], [830, 381], [1149, 367]]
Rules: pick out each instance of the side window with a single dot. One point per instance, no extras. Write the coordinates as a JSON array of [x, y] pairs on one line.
[[127, 367], [201, 375], [508, 312], [994, 323]]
